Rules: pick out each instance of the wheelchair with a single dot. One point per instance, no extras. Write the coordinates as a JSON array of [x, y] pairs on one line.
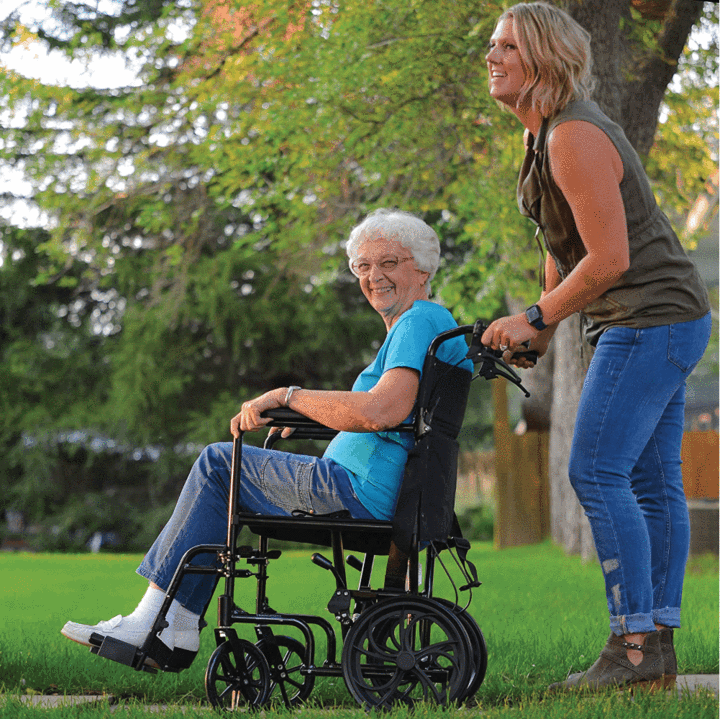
[[400, 642]]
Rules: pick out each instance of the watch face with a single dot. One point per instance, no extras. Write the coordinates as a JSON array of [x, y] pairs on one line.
[[533, 314]]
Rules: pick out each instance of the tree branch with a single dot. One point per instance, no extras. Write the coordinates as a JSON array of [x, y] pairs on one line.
[[653, 73]]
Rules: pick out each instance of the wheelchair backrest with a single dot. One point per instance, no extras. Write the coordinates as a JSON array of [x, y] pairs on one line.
[[425, 508]]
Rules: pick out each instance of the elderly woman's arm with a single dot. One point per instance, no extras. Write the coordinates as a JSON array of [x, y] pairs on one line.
[[386, 405]]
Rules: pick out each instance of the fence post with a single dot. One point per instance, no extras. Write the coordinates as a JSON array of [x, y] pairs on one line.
[[701, 470], [522, 511]]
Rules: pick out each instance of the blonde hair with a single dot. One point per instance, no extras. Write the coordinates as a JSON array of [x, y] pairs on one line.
[[555, 51]]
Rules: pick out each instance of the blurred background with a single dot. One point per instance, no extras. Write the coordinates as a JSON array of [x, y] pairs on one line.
[[178, 180]]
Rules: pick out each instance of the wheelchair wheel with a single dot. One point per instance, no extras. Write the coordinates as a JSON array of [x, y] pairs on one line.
[[235, 679], [479, 657], [407, 649], [286, 660]]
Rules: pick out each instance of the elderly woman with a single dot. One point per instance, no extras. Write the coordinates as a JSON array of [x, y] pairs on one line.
[[394, 255], [613, 256]]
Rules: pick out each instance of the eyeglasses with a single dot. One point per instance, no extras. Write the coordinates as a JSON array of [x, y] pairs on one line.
[[362, 268]]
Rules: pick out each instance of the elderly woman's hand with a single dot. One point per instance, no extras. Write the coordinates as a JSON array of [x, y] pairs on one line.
[[249, 419]]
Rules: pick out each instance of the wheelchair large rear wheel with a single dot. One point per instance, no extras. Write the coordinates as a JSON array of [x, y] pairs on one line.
[[407, 649], [479, 658], [286, 663], [237, 678]]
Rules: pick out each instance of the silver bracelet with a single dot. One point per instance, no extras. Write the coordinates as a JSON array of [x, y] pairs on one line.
[[289, 394]]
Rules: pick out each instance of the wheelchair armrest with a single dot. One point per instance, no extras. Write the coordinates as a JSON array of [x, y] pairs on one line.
[[305, 428], [284, 417]]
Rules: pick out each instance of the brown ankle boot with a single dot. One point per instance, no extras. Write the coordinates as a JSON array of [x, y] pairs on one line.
[[613, 668], [667, 647]]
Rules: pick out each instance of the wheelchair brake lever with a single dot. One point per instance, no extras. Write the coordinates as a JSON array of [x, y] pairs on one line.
[[489, 369]]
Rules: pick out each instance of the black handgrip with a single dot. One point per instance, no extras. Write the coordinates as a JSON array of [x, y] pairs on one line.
[[530, 355], [321, 561], [477, 348]]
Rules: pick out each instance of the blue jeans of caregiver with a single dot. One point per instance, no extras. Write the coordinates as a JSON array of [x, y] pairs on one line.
[[625, 467], [271, 482]]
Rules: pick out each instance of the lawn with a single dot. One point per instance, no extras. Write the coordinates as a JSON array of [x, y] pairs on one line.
[[543, 615]]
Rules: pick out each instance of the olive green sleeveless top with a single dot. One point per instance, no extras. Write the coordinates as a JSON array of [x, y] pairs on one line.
[[661, 286]]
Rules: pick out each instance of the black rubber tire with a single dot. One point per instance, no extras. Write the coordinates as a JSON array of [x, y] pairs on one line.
[[479, 648]]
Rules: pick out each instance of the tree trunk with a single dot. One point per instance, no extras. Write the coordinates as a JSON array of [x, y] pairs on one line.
[[568, 525]]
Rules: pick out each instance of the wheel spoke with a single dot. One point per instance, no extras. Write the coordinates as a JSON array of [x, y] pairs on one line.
[[293, 688], [393, 685], [427, 685]]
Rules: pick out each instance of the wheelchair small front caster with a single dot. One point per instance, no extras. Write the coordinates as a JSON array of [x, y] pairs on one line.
[[237, 675], [287, 657]]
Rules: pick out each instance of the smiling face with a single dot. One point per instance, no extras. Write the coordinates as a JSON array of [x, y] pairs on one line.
[[390, 292], [505, 67]]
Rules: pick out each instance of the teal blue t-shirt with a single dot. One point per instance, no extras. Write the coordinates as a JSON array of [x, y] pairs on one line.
[[375, 461]]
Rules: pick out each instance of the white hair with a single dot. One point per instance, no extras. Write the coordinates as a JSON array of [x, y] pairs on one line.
[[410, 231]]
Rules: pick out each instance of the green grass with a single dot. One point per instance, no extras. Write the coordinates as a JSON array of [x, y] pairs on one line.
[[543, 615], [702, 705]]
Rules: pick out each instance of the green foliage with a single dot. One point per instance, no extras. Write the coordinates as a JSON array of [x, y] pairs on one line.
[[685, 154], [192, 254], [477, 523]]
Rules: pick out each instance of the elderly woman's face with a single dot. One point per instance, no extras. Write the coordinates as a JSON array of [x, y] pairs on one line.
[[389, 278], [506, 74]]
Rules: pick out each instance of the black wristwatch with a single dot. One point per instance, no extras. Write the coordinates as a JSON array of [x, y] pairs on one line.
[[535, 317]]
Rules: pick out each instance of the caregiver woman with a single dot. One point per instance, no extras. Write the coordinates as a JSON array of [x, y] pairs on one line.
[[613, 256]]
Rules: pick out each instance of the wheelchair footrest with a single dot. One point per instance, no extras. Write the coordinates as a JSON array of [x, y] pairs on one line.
[[152, 656], [114, 649]]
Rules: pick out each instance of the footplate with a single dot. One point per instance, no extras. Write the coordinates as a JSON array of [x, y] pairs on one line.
[[150, 658]]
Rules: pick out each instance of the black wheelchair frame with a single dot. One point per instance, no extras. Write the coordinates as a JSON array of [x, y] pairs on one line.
[[401, 644]]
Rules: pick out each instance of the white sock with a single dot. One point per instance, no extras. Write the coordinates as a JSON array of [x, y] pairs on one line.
[[182, 619], [147, 609], [179, 619]]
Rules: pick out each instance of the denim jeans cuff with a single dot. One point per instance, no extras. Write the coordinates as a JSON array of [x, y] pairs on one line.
[[190, 601], [631, 624], [668, 616], [151, 576]]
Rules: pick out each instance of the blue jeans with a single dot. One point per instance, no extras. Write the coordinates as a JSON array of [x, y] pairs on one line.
[[271, 482], [625, 467]]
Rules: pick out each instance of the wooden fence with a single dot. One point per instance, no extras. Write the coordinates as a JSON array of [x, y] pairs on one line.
[[522, 495], [522, 485], [701, 464]]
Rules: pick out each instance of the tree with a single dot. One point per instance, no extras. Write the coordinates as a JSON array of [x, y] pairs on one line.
[[197, 218]]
